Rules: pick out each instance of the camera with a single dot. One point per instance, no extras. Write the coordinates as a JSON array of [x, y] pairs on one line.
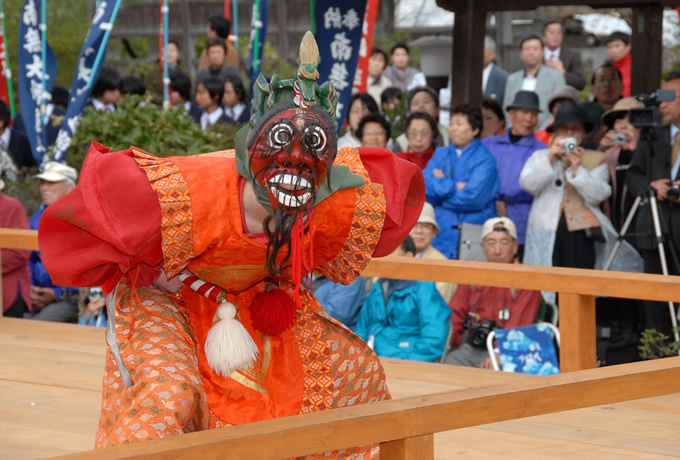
[[649, 116], [618, 138], [478, 332], [95, 293], [569, 144], [673, 193]]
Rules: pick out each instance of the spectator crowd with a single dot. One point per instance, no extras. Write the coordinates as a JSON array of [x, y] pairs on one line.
[[534, 173]]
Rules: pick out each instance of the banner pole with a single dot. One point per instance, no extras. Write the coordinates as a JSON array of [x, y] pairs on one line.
[[312, 16], [234, 21], [43, 37], [166, 78], [256, 44], [105, 39], [8, 72]]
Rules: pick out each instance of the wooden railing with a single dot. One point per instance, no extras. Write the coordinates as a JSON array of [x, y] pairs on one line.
[[405, 427], [577, 288]]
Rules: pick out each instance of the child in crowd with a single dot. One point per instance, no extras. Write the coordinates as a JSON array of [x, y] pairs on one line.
[[209, 96], [405, 319], [235, 108]]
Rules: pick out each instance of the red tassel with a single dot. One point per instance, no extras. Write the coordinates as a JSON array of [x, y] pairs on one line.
[[272, 311]]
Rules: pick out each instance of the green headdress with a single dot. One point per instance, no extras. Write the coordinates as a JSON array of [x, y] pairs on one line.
[[302, 92]]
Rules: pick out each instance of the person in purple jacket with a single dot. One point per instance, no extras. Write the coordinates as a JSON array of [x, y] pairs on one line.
[[511, 150]]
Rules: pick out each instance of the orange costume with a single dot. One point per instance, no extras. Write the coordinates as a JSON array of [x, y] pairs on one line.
[[172, 367], [317, 365]]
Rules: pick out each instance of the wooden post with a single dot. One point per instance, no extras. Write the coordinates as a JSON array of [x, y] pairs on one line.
[[468, 54], [416, 448], [578, 349], [646, 48]]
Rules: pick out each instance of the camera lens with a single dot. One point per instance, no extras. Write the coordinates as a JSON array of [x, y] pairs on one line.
[[673, 193]]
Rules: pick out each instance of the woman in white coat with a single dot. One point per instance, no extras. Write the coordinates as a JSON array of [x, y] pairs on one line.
[[566, 227]]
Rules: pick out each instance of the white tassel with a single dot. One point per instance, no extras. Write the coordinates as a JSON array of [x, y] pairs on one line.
[[229, 346]]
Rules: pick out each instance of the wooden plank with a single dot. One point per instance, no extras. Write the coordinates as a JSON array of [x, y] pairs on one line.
[[416, 448], [41, 421], [635, 429], [17, 238], [383, 422], [578, 349], [571, 280]]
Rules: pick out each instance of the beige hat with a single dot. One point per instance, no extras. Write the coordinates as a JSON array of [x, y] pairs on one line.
[[563, 92], [622, 105], [54, 171], [427, 215], [502, 222]]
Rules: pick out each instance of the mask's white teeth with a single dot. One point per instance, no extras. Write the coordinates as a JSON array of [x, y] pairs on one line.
[[289, 179], [302, 199], [290, 200]]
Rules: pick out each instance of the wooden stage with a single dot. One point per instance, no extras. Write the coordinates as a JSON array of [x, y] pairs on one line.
[[50, 389]]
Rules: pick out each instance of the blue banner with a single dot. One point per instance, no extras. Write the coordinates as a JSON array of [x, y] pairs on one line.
[[86, 70], [258, 35], [338, 34], [30, 77]]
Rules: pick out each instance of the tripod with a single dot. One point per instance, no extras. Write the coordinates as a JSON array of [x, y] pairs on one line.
[[654, 206]]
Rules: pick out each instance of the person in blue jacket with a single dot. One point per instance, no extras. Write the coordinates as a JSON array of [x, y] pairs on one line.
[[405, 319], [50, 302], [461, 180], [341, 302]]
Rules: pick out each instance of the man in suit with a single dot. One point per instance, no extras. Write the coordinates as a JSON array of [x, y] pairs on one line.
[[493, 77], [661, 173], [535, 77], [565, 60]]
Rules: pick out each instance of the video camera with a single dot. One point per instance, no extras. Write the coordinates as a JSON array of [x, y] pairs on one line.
[[649, 117]]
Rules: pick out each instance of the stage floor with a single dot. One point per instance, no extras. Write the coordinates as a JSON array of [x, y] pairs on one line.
[[50, 391]]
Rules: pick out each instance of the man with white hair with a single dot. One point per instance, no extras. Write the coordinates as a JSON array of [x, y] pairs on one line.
[[479, 309], [493, 77], [50, 302], [422, 234]]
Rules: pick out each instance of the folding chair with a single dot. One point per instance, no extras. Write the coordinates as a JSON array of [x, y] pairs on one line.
[[527, 349]]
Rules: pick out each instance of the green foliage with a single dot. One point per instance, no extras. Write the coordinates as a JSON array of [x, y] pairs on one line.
[[67, 25], [161, 132], [273, 64], [25, 189], [655, 344], [396, 117], [138, 48]]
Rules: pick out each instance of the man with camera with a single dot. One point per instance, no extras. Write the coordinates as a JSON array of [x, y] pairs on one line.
[[566, 226], [656, 166], [480, 309]]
